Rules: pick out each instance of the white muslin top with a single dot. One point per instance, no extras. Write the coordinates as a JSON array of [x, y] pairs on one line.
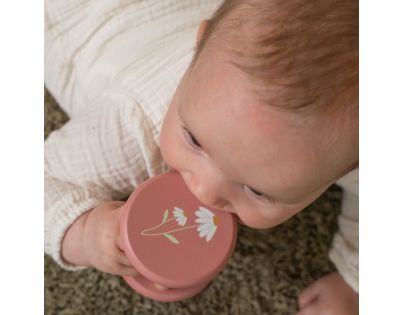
[[113, 66]]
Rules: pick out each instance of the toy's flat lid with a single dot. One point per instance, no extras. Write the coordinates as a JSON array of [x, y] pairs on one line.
[[171, 238]]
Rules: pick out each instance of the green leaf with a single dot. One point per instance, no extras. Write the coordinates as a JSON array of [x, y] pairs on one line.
[[165, 216], [171, 238]]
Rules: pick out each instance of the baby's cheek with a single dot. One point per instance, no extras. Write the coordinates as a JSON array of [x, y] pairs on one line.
[[256, 220], [168, 156], [167, 144], [265, 218], [171, 150], [163, 146]]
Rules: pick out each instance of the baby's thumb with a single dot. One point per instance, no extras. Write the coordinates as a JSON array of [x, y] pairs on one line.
[[308, 295]]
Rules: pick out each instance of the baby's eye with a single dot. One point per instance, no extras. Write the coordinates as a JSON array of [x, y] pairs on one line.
[[191, 139], [256, 194]]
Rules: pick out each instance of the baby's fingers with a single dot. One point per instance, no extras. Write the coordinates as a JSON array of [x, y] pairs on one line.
[[124, 261], [308, 295], [128, 271], [160, 287], [124, 265]]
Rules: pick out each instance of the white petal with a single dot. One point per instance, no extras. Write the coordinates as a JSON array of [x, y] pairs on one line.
[[211, 233], [206, 212], [204, 232], [178, 210], [203, 227], [181, 220], [204, 220], [203, 214], [200, 214]]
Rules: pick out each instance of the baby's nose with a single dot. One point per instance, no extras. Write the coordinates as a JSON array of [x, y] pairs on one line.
[[209, 194], [207, 189]]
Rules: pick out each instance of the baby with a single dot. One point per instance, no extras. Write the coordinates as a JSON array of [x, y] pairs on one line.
[[262, 122]]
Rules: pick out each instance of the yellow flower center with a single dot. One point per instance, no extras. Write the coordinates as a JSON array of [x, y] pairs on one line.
[[215, 220]]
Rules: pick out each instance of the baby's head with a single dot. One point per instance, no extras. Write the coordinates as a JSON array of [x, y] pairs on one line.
[[265, 119]]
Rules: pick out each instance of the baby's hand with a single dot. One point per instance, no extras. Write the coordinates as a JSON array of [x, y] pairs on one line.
[[101, 242], [93, 240], [329, 295]]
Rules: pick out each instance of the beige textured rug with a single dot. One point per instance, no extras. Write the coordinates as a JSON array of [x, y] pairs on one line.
[[264, 276]]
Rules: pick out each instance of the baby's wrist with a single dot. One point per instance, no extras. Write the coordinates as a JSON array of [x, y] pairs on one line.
[[72, 250]]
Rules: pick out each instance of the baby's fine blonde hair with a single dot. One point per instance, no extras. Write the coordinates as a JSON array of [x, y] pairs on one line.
[[302, 55]]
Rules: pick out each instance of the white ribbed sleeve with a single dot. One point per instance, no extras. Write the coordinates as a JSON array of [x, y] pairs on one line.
[[113, 66], [101, 155], [345, 248]]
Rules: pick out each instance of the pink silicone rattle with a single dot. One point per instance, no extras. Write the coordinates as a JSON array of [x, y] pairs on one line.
[[174, 240]]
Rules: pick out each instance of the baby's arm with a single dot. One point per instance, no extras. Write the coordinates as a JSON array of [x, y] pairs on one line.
[[98, 157], [93, 240], [338, 293], [345, 248]]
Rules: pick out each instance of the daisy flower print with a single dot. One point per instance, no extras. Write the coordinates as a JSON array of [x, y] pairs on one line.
[[180, 216], [208, 223]]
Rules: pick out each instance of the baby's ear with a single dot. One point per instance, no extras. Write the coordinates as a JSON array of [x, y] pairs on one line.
[[201, 30]]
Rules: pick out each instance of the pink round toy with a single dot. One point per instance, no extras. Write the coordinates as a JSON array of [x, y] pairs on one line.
[[174, 240]]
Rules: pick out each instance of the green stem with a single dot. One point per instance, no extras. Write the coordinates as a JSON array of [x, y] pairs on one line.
[[176, 230], [155, 227]]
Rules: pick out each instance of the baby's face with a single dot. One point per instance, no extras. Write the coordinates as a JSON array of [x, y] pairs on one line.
[[240, 156]]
